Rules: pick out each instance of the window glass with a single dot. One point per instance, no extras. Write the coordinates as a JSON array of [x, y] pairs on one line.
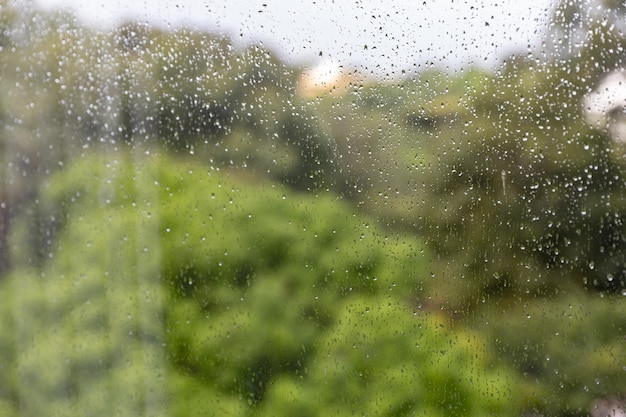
[[329, 208]]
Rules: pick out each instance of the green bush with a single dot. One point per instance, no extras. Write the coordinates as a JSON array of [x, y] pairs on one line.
[[173, 290], [381, 358], [568, 350], [171, 287]]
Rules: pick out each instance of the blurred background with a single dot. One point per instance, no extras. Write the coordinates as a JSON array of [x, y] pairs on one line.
[[242, 208]]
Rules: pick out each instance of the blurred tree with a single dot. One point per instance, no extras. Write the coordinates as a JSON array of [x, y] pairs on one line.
[[588, 35], [382, 359], [519, 198], [7, 19], [568, 350], [195, 285], [66, 89], [524, 207], [47, 110], [526, 197], [237, 109]]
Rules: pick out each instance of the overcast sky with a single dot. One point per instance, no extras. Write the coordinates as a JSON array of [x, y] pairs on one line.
[[382, 37]]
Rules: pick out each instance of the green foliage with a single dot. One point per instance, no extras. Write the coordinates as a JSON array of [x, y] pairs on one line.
[[382, 359], [65, 89], [194, 286], [528, 196], [569, 349], [173, 287], [195, 93]]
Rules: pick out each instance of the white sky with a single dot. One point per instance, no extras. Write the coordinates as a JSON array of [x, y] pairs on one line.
[[382, 37]]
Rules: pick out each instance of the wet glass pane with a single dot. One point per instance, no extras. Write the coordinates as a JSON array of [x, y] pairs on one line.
[[235, 208]]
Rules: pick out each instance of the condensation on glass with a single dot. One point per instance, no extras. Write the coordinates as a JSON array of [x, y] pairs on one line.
[[337, 209]]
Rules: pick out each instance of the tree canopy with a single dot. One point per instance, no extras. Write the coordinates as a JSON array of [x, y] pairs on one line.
[[183, 232], [174, 287]]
